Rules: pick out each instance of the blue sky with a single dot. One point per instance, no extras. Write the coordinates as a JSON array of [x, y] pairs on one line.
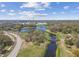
[[39, 11]]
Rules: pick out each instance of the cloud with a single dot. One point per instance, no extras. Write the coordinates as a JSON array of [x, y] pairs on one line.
[[78, 7], [40, 9], [31, 14], [45, 4], [3, 10], [62, 12], [24, 17], [29, 5], [28, 13], [54, 13], [2, 5], [66, 7], [35, 5], [11, 10], [38, 14], [11, 14]]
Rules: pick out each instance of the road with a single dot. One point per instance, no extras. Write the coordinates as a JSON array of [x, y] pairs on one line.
[[18, 44]]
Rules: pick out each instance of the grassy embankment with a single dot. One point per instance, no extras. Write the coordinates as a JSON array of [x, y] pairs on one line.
[[34, 50], [62, 50], [6, 49], [31, 49], [58, 51]]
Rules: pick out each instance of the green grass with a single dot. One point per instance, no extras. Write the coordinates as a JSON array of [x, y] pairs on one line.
[[23, 35], [59, 36], [58, 51], [32, 51], [62, 51]]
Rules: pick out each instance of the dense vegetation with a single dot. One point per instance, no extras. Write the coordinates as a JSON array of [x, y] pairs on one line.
[[69, 31], [5, 42], [36, 42], [64, 27], [37, 37]]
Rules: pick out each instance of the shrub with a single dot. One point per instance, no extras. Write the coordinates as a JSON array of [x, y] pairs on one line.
[[77, 43], [76, 52], [69, 40]]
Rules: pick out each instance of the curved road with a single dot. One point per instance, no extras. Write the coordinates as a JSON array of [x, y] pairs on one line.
[[18, 44]]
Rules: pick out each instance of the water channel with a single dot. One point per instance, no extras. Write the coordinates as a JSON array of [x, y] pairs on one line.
[[51, 48]]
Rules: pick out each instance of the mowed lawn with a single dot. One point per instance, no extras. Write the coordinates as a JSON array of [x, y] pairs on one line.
[[32, 51]]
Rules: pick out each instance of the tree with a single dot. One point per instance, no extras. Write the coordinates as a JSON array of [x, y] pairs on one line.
[[36, 37], [4, 41], [69, 40], [18, 27], [77, 44]]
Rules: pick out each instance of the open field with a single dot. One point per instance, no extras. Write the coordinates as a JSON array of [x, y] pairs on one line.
[[32, 51]]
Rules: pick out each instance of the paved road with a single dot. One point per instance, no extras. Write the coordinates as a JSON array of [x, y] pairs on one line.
[[17, 47]]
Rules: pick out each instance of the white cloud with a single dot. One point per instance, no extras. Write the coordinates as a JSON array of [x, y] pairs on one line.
[[29, 4], [11, 10], [40, 9], [78, 7], [38, 14], [28, 13], [66, 7], [31, 14], [35, 5], [54, 13], [45, 4], [24, 17], [3, 10], [2, 5], [62, 12], [11, 14]]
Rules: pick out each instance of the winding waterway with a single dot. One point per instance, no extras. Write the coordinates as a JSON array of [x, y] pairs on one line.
[[51, 48]]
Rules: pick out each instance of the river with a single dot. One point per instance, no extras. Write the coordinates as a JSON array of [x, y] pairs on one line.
[[51, 48]]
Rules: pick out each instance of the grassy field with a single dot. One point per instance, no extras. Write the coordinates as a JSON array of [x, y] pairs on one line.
[[62, 50], [32, 51], [58, 51], [23, 34]]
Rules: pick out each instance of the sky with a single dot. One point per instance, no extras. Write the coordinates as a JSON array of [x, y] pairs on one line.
[[39, 10]]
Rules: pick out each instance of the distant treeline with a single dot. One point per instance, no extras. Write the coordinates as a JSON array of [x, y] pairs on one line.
[[37, 21]]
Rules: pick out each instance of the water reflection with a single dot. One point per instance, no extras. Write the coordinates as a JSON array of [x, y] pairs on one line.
[[41, 28], [51, 48]]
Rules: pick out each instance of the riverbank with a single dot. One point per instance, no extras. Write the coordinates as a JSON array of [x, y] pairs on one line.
[[34, 48]]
